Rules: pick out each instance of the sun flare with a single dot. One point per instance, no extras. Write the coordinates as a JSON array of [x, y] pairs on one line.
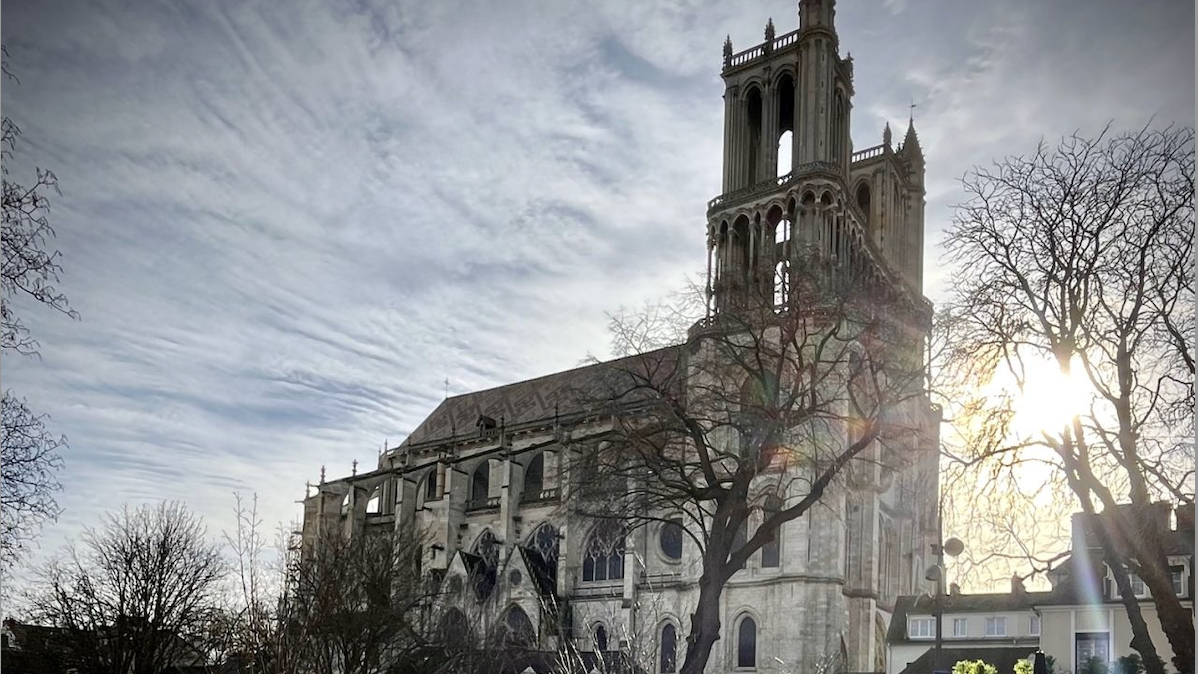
[[1049, 399]]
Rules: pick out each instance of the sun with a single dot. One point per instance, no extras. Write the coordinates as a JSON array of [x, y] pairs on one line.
[[1049, 399]]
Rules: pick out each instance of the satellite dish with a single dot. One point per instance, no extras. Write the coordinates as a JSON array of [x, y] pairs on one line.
[[953, 547]]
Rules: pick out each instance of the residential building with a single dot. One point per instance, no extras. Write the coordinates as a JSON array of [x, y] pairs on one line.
[[1081, 617]]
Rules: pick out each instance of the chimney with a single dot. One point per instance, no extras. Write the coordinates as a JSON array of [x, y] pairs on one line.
[[1124, 518], [1083, 541], [1017, 586], [1185, 517]]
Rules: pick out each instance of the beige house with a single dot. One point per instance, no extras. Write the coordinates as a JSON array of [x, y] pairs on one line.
[[1081, 617], [999, 628], [1084, 616]]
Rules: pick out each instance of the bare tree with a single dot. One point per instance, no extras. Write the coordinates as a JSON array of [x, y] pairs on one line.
[[134, 596], [760, 413], [30, 272], [1080, 256], [27, 476], [357, 605]]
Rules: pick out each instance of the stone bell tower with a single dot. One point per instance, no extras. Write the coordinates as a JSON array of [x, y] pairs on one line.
[[803, 223], [794, 191], [787, 155]]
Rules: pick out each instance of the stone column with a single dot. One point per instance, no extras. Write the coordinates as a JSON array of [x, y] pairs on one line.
[[769, 133]]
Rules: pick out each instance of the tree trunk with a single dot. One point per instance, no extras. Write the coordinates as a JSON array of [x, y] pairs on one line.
[[1113, 544], [1177, 622], [1141, 640], [705, 623]]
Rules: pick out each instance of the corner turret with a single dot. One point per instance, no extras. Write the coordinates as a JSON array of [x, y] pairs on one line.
[[815, 14], [910, 150]]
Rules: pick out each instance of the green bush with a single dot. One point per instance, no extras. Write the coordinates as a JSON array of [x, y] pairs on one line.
[[1095, 665], [1028, 667], [974, 667], [1128, 664]]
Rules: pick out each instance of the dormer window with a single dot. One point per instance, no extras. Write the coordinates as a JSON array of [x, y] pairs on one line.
[[1137, 586], [921, 628], [1179, 580], [486, 426]]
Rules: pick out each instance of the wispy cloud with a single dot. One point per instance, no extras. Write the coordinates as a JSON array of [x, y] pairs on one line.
[[285, 228]]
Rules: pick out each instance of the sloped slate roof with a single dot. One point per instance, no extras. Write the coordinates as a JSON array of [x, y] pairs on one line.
[[1002, 657], [581, 389], [959, 603]]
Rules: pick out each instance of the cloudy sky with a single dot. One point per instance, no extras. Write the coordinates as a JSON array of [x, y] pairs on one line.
[[286, 225]]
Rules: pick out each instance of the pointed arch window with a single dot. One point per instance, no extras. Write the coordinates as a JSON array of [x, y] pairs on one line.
[[785, 146], [517, 628], [864, 203], [753, 109], [603, 556], [739, 539], [670, 538], [780, 281], [430, 486], [668, 650], [485, 561], [454, 629], [544, 544], [600, 638], [771, 551], [480, 485], [746, 643], [534, 477]]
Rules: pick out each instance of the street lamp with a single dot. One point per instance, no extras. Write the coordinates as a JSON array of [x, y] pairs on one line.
[[952, 547]]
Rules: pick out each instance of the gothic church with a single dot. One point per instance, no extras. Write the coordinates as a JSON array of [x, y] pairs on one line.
[[487, 473]]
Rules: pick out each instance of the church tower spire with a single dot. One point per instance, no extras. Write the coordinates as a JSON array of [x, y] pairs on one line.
[[911, 150]]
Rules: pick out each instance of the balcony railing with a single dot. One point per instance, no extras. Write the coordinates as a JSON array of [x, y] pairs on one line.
[[868, 153], [744, 194], [760, 50], [479, 504], [541, 495]]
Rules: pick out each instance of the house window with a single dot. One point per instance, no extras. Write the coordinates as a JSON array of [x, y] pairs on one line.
[[600, 639], [960, 627], [1089, 646], [996, 627], [921, 628], [669, 649], [746, 643], [1137, 585], [1033, 626], [604, 555], [1179, 585], [670, 538]]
